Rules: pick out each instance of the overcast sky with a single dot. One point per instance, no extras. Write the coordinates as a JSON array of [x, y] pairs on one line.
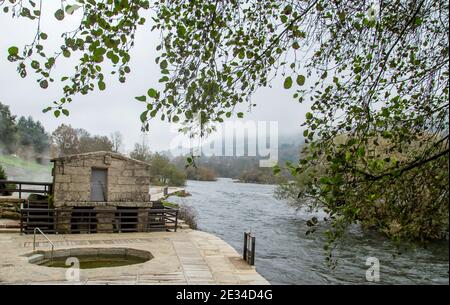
[[114, 109]]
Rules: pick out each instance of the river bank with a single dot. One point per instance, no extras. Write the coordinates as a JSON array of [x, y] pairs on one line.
[[157, 192]]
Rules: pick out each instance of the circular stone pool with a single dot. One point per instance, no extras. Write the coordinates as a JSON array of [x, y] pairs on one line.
[[89, 258]]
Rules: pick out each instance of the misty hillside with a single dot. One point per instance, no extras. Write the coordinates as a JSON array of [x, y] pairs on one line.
[[20, 169]]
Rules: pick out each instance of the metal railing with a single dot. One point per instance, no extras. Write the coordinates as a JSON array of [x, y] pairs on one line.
[[34, 240], [89, 220]]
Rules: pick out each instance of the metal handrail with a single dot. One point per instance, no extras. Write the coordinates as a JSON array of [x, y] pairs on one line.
[[34, 240]]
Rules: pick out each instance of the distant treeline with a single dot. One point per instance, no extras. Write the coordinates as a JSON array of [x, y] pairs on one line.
[[22, 135], [243, 168], [28, 138]]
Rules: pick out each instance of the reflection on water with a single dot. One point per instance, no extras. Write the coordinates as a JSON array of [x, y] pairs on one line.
[[285, 255]]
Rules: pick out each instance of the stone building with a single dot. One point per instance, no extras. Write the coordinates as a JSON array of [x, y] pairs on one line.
[[101, 181], [100, 178]]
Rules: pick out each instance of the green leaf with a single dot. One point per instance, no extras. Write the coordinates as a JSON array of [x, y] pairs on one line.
[[57, 113], [360, 151], [181, 31], [288, 9], [152, 92], [309, 116], [13, 51], [276, 170], [44, 84], [325, 180], [115, 59], [348, 156], [288, 82], [163, 64], [59, 14], [65, 112], [101, 85], [240, 115], [70, 9], [418, 21], [143, 116], [357, 69], [141, 98], [300, 80], [35, 64]]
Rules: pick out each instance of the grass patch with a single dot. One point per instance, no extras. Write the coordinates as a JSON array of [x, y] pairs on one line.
[[182, 193], [170, 204], [11, 161]]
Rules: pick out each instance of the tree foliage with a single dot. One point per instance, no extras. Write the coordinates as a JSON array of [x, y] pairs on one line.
[[116, 139], [141, 152], [89, 143], [200, 173], [370, 71], [8, 129], [162, 171], [412, 205], [22, 135], [32, 134], [69, 140], [106, 33], [66, 140]]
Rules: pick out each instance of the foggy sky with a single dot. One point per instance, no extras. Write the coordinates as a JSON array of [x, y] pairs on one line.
[[114, 109]]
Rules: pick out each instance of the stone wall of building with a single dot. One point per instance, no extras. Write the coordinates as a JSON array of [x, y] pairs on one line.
[[128, 180]]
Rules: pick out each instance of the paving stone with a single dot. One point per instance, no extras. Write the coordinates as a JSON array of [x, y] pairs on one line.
[[179, 258]]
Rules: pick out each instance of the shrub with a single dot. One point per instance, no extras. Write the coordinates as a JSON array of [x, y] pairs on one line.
[[7, 185], [189, 215]]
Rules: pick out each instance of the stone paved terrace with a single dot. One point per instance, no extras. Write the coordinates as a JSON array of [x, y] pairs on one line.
[[183, 257]]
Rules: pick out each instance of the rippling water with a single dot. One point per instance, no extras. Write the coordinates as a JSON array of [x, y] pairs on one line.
[[285, 255]]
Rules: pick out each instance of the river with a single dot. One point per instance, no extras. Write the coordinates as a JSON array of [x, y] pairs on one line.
[[286, 255]]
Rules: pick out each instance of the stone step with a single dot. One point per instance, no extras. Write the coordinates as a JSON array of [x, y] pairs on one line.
[[10, 226], [9, 230]]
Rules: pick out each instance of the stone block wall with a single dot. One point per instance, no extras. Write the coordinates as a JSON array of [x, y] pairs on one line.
[[128, 180], [10, 207]]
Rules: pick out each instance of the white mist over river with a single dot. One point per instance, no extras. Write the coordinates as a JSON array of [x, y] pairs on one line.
[[285, 255]]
